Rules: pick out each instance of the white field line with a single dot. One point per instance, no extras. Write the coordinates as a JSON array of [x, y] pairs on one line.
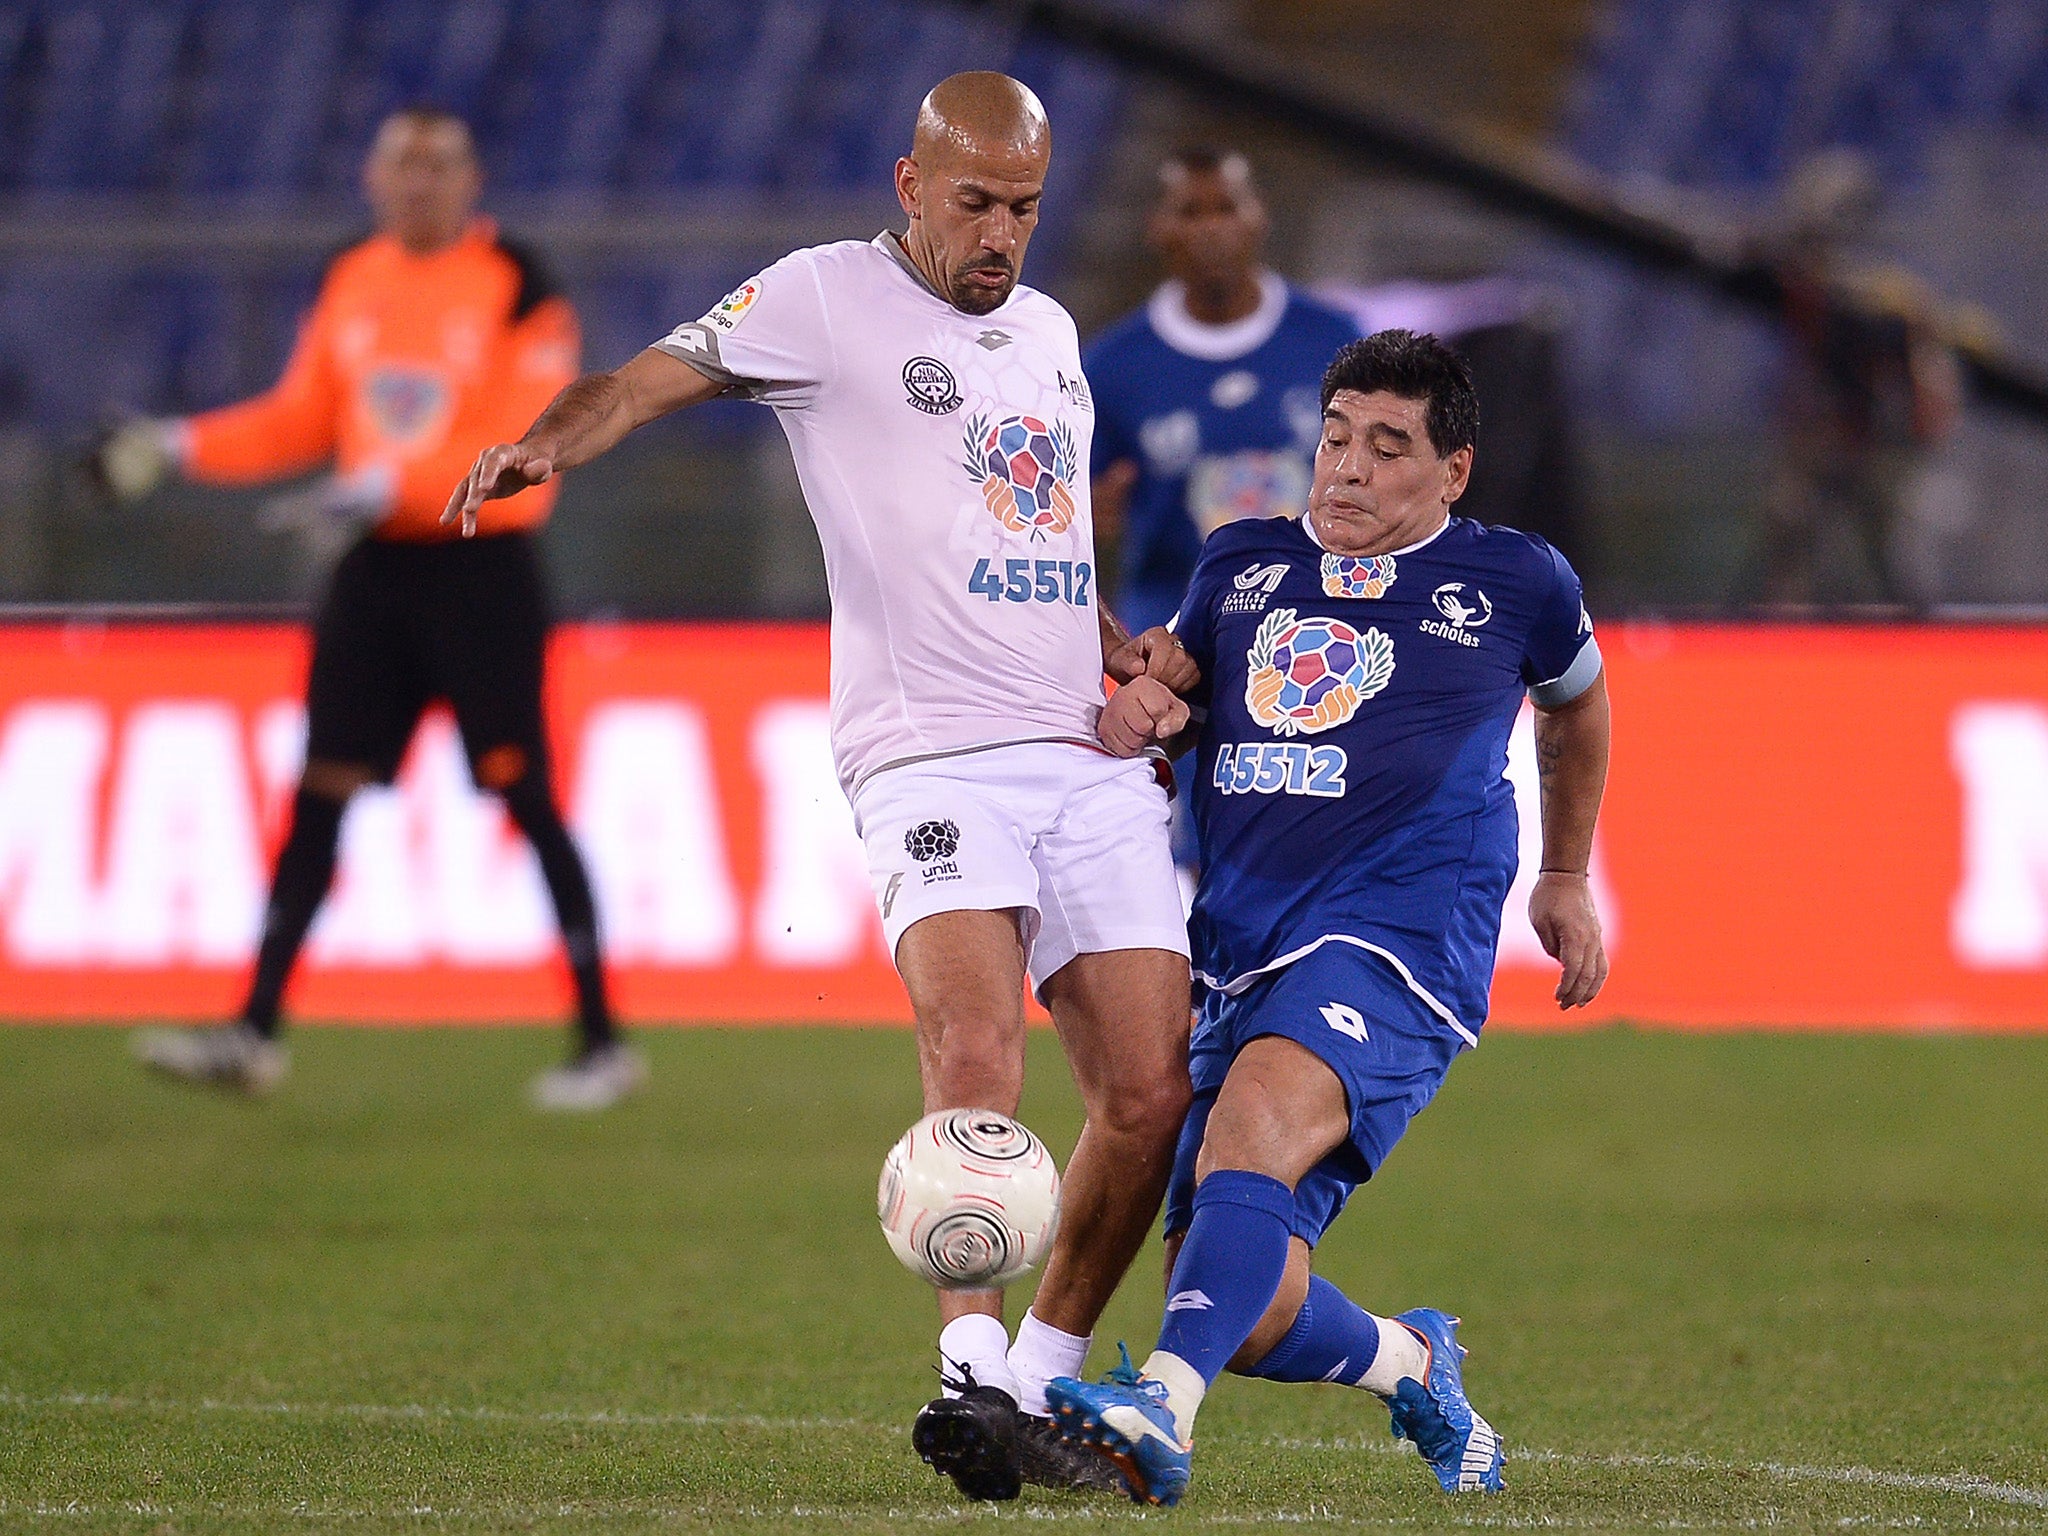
[[1960, 1484], [1964, 1483]]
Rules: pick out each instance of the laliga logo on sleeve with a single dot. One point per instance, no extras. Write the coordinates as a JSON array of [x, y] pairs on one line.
[[1310, 674], [728, 311], [1357, 575], [1464, 613], [1026, 472]]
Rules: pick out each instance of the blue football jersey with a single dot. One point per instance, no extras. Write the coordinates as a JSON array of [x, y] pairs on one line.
[[1350, 781], [1221, 420]]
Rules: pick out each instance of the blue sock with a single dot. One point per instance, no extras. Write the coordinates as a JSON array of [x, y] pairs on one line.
[[1229, 1267], [1333, 1339]]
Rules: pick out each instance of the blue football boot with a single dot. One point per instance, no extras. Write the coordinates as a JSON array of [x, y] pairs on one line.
[[1463, 1448], [1124, 1419]]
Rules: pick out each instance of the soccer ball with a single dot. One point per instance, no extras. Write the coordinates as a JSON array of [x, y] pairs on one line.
[[969, 1199]]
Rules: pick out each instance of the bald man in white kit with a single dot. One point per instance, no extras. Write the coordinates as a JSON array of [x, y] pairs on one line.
[[940, 426]]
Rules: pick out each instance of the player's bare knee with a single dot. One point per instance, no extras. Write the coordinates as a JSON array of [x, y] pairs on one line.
[[1145, 1106], [972, 1061], [1249, 1129]]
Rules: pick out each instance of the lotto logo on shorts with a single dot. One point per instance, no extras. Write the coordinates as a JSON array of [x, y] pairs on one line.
[[933, 844]]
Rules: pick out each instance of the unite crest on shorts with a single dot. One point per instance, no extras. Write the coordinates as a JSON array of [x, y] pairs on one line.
[[1357, 575], [936, 839], [1307, 675]]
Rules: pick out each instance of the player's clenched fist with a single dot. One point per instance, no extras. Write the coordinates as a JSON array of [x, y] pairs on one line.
[[505, 470], [1144, 713]]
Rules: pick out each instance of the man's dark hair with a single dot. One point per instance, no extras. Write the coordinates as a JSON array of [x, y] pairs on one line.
[[1411, 367]]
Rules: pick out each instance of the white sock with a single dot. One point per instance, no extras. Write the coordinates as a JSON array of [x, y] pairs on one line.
[[981, 1344], [1185, 1388], [1041, 1353], [1401, 1354]]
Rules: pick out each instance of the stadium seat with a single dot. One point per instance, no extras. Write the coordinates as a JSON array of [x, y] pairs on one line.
[[262, 106]]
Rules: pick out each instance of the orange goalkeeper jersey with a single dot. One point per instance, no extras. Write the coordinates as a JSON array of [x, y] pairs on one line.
[[409, 364]]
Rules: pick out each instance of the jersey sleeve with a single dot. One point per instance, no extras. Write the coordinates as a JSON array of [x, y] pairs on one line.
[[286, 431], [1562, 658], [768, 339]]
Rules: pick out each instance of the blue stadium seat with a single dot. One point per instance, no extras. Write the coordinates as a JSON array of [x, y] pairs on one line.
[[265, 105]]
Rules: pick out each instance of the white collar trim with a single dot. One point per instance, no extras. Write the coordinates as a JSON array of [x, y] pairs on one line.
[[1308, 527], [1168, 312]]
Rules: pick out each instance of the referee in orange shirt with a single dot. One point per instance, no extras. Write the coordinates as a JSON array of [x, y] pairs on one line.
[[429, 341]]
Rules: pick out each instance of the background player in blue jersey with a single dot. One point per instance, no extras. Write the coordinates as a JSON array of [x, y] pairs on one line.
[[1362, 668], [1206, 407]]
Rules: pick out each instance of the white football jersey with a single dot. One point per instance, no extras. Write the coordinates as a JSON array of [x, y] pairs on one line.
[[944, 458]]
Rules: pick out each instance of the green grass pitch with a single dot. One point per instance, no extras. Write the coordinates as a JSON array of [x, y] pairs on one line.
[[1708, 1283]]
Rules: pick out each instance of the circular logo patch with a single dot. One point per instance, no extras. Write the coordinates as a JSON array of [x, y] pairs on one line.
[[930, 840], [1307, 675], [930, 385]]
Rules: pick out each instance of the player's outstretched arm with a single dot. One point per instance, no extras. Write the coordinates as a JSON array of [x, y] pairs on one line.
[[586, 419], [1571, 768]]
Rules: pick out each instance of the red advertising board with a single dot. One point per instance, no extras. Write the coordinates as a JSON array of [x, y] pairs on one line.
[[1805, 826]]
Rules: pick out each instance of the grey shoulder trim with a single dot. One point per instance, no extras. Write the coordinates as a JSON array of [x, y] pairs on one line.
[[696, 343], [1573, 681]]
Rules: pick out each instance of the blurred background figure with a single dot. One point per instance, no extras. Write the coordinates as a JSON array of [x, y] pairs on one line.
[[429, 341], [172, 175], [1870, 391], [1206, 403]]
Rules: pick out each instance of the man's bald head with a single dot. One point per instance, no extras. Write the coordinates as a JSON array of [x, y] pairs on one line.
[[981, 112], [971, 185]]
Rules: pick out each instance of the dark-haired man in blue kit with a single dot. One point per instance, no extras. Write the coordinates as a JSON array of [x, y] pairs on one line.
[[1362, 667]]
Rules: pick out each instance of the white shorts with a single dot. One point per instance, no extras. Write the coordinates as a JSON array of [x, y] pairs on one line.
[[1075, 838]]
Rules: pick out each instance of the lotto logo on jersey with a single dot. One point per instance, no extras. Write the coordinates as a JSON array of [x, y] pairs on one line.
[[1308, 675], [1025, 469], [1357, 576]]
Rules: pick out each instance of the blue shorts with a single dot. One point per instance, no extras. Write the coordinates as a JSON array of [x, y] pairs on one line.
[[1323, 1001]]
